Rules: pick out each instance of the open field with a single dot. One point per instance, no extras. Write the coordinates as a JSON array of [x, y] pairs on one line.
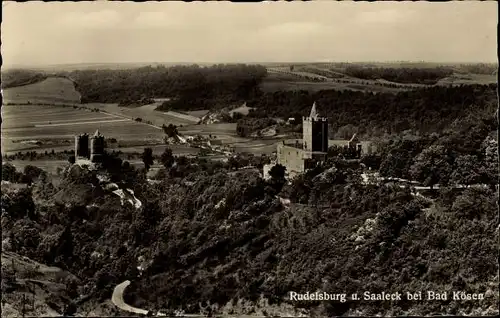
[[36, 127], [322, 76], [198, 113], [223, 131], [51, 90], [226, 133], [146, 112], [457, 79]]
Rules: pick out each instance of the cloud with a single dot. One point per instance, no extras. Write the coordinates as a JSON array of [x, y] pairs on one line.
[[96, 19]]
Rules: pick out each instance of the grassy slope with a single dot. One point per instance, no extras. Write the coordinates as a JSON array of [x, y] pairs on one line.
[[50, 90]]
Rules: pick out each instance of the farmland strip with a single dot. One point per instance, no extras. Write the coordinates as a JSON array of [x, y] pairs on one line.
[[84, 122]]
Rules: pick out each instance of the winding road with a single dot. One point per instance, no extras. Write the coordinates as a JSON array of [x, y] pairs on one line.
[[117, 299]]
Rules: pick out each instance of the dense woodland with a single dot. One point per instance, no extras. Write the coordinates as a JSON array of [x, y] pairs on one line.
[[200, 84], [423, 110], [427, 76], [209, 233]]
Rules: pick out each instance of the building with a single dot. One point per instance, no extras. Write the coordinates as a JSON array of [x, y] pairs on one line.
[[97, 147], [299, 155], [82, 146], [96, 150]]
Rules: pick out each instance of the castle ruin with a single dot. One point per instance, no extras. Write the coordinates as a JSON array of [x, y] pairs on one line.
[[82, 146], [300, 155], [96, 150]]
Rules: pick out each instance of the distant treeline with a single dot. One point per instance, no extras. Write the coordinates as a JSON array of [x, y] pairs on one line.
[[426, 76], [480, 68], [246, 126], [19, 77], [197, 83], [424, 110]]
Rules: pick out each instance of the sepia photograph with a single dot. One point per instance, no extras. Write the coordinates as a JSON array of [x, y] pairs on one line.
[[266, 159]]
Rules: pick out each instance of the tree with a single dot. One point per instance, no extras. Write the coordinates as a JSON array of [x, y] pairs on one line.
[[234, 162], [9, 173], [467, 170], [371, 161], [489, 166], [20, 204], [71, 159], [32, 172], [277, 173], [431, 166], [170, 130], [167, 158], [147, 158], [476, 203], [346, 131]]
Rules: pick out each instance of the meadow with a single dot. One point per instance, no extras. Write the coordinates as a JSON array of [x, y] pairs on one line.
[[40, 128], [51, 90], [52, 124], [146, 113]]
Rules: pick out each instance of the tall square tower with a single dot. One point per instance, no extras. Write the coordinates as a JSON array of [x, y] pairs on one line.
[[315, 132]]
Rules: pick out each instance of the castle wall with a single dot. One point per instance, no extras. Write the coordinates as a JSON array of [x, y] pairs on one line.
[[367, 147], [96, 148], [291, 158], [307, 134], [82, 146]]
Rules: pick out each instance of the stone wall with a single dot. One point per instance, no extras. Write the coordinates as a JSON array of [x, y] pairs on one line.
[[291, 158]]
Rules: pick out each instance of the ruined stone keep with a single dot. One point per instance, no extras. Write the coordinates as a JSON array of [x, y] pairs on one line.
[[96, 147], [96, 150], [82, 146]]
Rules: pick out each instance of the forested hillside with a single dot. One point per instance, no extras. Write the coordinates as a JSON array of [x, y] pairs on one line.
[[197, 83], [422, 110], [413, 75], [207, 233]]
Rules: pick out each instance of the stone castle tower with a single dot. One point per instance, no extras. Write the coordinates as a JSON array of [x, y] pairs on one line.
[[96, 147], [82, 146], [315, 132]]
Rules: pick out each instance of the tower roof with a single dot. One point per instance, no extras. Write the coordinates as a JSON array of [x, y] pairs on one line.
[[97, 133], [354, 138], [314, 113]]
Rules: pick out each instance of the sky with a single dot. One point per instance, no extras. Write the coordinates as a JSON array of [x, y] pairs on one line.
[[48, 33]]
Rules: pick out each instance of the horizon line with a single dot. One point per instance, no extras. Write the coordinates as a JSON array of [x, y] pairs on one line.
[[242, 62]]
